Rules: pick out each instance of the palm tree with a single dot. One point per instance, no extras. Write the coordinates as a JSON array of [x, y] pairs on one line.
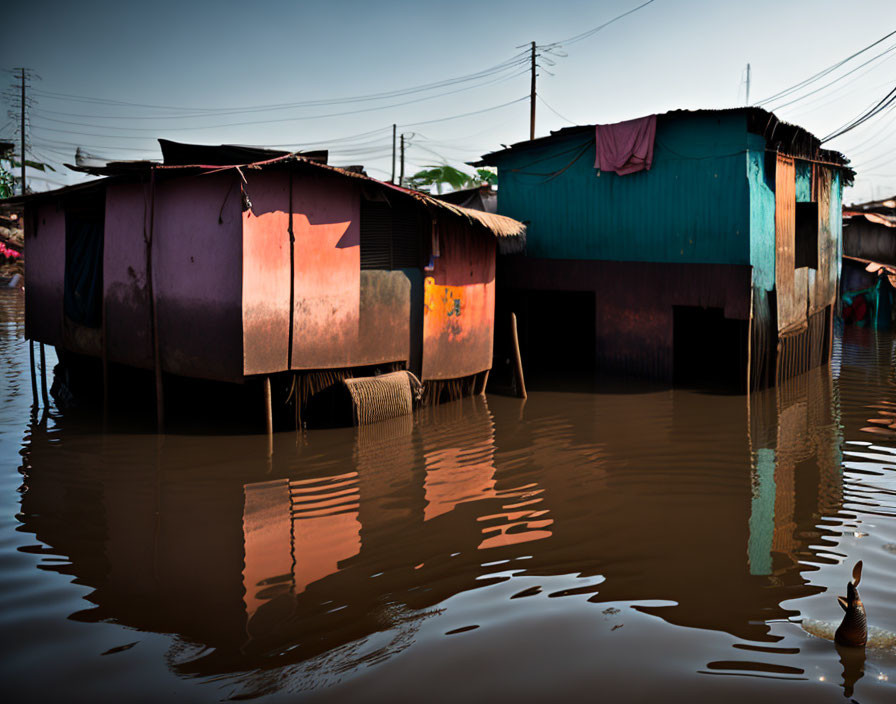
[[436, 175]]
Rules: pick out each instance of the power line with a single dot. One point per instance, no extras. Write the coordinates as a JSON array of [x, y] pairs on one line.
[[836, 80], [823, 72], [554, 111], [257, 122], [884, 102], [594, 30], [465, 114], [517, 59]]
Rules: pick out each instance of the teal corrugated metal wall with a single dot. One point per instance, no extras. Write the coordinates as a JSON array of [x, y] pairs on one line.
[[836, 216], [803, 181], [692, 206], [762, 215]]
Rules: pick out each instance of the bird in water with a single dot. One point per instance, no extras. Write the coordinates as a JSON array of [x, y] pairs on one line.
[[853, 630]]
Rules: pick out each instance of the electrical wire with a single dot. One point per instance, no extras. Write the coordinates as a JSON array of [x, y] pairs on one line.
[[884, 102], [823, 72], [466, 114], [554, 111], [594, 30], [38, 115], [836, 80], [517, 59]]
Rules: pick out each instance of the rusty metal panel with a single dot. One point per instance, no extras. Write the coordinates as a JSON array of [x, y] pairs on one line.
[[266, 273], [197, 273], [634, 302], [343, 316], [790, 292], [824, 291], [44, 272], [384, 334], [128, 319], [327, 272], [459, 304]]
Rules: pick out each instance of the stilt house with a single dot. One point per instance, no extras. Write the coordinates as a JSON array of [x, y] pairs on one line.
[[711, 249], [228, 264]]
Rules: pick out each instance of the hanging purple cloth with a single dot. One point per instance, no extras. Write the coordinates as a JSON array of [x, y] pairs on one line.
[[625, 147]]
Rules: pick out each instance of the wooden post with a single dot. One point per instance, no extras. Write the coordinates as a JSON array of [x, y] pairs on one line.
[[830, 350], [33, 373], [750, 346], [268, 413], [483, 382], [154, 317], [521, 382], [43, 377], [105, 370]]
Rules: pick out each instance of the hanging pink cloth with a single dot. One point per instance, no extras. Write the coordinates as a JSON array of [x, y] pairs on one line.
[[626, 147]]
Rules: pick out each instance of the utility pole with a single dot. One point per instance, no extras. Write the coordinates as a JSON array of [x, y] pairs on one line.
[[393, 154], [401, 176], [748, 84], [22, 135], [532, 98], [23, 76]]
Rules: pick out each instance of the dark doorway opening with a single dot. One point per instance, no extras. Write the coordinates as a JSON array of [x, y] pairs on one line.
[[710, 350], [83, 284], [557, 331]]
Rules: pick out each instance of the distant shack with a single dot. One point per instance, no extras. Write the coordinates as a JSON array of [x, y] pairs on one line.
[[234, 264], [869, 263], [718, 262]]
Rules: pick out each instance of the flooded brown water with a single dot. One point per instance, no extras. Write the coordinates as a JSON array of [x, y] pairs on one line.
[[621, 545]]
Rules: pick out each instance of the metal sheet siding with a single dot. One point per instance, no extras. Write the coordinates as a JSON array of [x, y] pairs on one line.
[[266, 274], [835, 219], [128, 316], [790, 284], [823, 290], [44, 273], [692, 206], [197, 275], [459, 305], [634, 323], [762, 217], [327, 279]]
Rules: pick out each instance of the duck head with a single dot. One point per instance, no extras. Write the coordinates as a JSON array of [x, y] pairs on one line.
[[853, 630]]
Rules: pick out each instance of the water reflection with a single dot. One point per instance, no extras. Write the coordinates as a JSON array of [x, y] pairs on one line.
[[480, 524], [156, 535], [795, 470]]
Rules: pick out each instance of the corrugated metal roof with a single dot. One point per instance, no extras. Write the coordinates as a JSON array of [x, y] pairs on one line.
[[510, 232], [877, 218], [779, 135]]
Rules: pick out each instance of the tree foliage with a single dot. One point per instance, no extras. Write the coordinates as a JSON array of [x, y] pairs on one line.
[[438, 175], [8, 180]]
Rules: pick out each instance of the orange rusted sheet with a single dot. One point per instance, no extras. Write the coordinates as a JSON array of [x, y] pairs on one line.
[[459, 305], [791, 285], [823, 291]]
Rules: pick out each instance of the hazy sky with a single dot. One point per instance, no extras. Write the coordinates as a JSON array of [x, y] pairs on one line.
[[178, 65]]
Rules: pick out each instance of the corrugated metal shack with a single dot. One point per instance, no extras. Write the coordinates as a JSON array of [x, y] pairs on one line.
[[720, 260], [229, 263], [869, 263]]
